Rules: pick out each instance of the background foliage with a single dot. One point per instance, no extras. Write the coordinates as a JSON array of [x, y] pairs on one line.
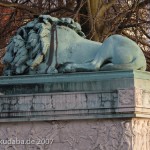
[[99, 18]]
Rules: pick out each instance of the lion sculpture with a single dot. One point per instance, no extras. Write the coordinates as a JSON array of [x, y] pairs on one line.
[[50, 45]]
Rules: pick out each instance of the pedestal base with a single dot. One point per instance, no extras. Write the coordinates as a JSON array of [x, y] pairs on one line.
[[87, 111]]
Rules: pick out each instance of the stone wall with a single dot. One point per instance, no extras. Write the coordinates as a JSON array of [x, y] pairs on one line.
[[105, 134]]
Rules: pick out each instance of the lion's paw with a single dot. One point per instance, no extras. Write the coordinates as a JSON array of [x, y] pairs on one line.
[[52, 70], [68, 68]]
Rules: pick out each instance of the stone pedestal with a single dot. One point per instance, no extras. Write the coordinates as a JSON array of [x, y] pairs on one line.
[[81, 111]]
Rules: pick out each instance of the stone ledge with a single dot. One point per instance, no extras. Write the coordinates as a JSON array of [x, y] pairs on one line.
[[75, 96], [73, 82]]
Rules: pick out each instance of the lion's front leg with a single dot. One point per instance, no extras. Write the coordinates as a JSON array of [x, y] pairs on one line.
[[43, 68]]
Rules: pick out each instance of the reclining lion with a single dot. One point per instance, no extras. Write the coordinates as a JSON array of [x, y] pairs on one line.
[[116, 53], [51, 45]]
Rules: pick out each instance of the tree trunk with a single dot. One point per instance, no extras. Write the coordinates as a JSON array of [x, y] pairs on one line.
[[97, 10]]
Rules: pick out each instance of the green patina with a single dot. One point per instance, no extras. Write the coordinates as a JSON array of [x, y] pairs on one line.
[[30, 50]]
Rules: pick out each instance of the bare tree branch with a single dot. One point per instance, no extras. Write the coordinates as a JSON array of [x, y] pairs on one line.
[[133, 25], [134, 39], [18, 6], [143, 3]]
